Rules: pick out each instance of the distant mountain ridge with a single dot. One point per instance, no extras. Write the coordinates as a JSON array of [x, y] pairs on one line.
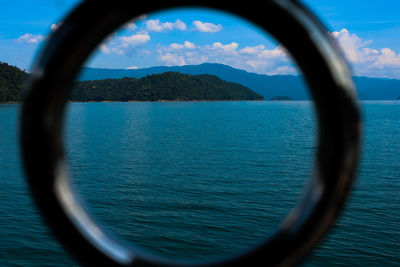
[[268, 86]]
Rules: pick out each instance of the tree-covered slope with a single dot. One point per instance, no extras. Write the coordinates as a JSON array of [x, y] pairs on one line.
[[166, 86], [12, 81]]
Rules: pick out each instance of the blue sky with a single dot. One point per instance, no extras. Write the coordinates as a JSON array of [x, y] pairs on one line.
[[368, 32]]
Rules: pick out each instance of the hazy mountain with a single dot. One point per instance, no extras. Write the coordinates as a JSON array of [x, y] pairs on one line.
[[377, 88], [265, 85]]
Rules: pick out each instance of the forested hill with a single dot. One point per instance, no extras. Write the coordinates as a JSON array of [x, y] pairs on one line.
[[171, 86], [11, 83]]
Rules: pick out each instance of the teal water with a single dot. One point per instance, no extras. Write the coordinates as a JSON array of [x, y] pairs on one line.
[[204, 179]]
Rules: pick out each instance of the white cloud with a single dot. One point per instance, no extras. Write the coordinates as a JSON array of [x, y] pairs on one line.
[[267, 61], [134, 39], [173, 59], [130, 26], [125, 45], [194, 58], [367, 61], [228, 49], [252, 50], [256, 64], [180, 25], [185, 45], [141, 17], [206, 26], [252, 58], [387, 58], [54, 26], [105, 49], [155, 25], [278, 52], [132, 68], [351, 45], [30, 38], [284, 70]]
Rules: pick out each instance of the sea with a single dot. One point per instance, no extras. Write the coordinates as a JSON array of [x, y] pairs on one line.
[[204, 180]]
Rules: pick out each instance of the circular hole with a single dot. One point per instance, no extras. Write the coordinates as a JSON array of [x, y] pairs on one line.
[[183, 174]]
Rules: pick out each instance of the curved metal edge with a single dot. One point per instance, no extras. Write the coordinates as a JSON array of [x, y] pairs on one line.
[[42, 121]]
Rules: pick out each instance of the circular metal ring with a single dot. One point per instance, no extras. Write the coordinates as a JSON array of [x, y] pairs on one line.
[[324, 68]]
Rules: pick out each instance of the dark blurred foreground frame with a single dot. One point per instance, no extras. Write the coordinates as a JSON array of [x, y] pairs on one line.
[[308, 42]]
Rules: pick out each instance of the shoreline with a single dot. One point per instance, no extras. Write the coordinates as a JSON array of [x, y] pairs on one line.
[[161, 100], [133, 101], [261, 100]]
